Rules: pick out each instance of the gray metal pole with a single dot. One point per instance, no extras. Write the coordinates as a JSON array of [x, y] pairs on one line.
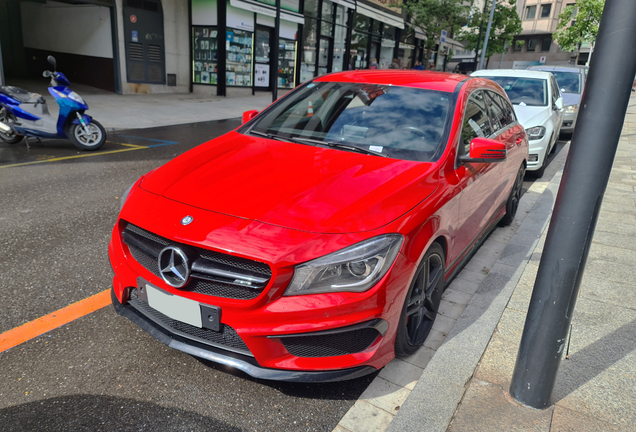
[[585, 177], [274, 52], [483, 51]]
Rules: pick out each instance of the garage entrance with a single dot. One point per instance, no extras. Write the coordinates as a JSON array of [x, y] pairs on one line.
[[78, 33]]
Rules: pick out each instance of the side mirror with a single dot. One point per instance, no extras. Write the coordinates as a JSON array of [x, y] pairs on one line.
[[46, 74], [51, 60], [559, 103], [249, 115], [484, 150]]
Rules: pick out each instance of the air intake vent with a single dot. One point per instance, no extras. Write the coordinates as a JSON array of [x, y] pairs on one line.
[[154, 53], [135, 51]]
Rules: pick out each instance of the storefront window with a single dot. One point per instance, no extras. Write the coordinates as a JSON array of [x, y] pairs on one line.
[[406, 51], [239, 58], [376, 29], [341, 15], [339, 42], [205, 47], [286, 63], [359, 46], [361, 23], [308, 63], [389, 32], [326, 29], [327, 10], [311, 8]]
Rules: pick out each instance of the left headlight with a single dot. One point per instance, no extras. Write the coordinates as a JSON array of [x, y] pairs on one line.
[[569, 109], [77, 98], [356, 268], [535, 133]]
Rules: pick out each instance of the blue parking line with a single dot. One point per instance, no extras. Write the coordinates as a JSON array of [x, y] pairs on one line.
[[163, 142]]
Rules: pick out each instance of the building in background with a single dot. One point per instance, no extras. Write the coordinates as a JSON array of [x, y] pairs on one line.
[[215, 47]]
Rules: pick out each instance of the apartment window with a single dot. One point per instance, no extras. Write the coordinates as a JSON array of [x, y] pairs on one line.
[[517, 45], [531, 11], [545, 44], [545, 10], [532, 45]]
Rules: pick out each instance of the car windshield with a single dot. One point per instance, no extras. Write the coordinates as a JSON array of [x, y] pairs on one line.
[[398, 122], [523, 91], [569, 82]]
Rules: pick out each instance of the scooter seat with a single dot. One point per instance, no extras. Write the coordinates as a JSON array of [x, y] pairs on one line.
[[21, 95]]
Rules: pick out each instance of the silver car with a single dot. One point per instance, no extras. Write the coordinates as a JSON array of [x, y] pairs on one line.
[[571, 81]]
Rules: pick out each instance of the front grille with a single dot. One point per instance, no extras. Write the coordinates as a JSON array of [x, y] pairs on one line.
[[330, 345], [226, 338], [145, 246]]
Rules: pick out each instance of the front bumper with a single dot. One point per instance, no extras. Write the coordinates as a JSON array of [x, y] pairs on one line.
[[235, 360], [569, 122], [539, 148]]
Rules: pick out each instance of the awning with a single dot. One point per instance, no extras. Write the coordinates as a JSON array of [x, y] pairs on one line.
[[351, 4], [377, 14], [268, 10]]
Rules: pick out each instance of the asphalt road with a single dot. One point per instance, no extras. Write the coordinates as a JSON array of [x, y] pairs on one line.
[[101, 372]]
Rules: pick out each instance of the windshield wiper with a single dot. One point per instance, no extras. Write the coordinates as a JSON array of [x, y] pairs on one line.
[[337, 145], [267, 135]]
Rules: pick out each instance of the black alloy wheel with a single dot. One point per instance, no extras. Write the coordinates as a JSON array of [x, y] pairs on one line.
[[513, 200], [422, 302]]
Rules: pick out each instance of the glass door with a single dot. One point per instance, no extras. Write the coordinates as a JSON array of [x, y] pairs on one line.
[[324, 56], [262, 62]]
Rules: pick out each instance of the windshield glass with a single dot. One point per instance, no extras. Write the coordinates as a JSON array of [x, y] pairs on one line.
[[569, 82], [398, 122], [528, 91]]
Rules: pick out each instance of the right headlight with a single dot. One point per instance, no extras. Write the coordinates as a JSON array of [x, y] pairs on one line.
[[356, 268], [569, 109], [535, 133]]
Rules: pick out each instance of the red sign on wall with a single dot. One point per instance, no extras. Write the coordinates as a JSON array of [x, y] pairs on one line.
[[133, 19]]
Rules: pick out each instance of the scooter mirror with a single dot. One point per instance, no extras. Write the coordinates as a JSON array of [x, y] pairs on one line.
[[51, 60], [46, 74]]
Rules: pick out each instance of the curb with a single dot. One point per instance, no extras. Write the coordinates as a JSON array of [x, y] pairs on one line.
[[434, 400], [422, 392]]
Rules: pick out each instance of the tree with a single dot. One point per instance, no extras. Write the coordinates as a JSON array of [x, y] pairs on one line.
[[584, 17], [505, 25], [433, 16]]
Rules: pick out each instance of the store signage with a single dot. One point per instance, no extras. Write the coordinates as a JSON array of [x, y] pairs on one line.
[[266, 10], [133, 19], [346, 3], [379, 15], [135, 36], [290, 5], [388, 4], [261, 75]]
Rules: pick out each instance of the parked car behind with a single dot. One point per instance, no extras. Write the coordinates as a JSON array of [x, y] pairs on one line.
[[314, 242], [539, 108], [571, 80]]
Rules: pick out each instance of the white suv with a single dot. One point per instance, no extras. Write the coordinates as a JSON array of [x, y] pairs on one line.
[[538, 104]]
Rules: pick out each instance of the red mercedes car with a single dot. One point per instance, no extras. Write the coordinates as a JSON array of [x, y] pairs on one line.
[[314, 242]]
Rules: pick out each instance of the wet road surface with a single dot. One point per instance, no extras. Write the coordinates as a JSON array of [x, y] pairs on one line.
[[101, 372]]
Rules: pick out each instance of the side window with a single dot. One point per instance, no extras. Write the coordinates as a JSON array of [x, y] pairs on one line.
[[497, 116], [509, 112], [555, 89], [476, 123]]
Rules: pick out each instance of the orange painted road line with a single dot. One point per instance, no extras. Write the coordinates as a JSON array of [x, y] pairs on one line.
[[56, 319]]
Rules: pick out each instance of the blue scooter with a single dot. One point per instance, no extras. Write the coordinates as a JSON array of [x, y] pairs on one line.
[[26, 115]]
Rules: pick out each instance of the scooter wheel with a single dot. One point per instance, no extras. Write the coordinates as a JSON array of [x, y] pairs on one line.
[[91, 139]]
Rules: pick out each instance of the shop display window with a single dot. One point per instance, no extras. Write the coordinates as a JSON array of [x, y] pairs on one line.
[[205, 46], [286, 63], [359, 46], [308, 63], [238, 67]]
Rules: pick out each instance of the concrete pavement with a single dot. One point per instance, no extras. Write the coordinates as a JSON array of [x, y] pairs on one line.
[[464, 387]]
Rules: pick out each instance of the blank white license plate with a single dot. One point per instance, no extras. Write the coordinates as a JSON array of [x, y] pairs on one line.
[[178, 308]]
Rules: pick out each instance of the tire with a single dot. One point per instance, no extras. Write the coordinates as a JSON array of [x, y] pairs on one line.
[[10, 137], [83, 141], [513, 199], [421, 303]]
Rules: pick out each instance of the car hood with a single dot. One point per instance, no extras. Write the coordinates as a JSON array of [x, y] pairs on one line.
[[571, 98], [293, 185], [530, 116]]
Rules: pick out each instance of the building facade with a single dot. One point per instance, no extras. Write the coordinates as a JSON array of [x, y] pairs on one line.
[[215, 47]]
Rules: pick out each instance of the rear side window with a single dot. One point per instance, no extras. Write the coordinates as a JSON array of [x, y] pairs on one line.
[[476, 122], [509, 111]]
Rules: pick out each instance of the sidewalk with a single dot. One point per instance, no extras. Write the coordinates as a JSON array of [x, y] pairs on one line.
[[465, 385], [138, 111]]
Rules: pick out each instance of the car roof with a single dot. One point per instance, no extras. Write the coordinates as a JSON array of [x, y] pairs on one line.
[[441, 81], [521, 73], [575, 69]]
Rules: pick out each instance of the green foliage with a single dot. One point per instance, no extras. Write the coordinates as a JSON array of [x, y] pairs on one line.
[[433, 16], [587, 16], [505, 25]]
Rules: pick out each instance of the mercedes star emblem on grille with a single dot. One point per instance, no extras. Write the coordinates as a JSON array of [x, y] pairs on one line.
[[174, 266], [187, 220]]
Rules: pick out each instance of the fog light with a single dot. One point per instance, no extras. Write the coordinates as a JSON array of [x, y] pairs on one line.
[[533, 158]]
